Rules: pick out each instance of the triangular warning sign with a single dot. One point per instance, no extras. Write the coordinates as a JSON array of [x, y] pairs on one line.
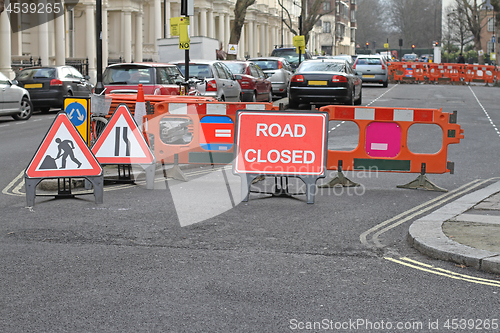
[[121, 141], [63, 153]]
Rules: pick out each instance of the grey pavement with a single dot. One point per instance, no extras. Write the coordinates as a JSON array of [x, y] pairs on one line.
[[466, 231]]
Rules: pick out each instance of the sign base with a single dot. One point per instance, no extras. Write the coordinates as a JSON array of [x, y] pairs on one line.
[[31, 183]]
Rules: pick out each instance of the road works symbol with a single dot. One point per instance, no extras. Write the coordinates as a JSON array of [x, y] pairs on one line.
[[63, 141], [121, 141]]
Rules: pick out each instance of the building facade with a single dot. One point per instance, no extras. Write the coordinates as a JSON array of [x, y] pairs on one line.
[[132, 27]]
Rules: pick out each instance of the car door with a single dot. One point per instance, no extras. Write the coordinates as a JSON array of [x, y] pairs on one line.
[[260, 81], [231, 93], [81, 87], [4, 85]]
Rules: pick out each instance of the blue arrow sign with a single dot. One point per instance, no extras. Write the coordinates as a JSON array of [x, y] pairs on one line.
[[76, 113]]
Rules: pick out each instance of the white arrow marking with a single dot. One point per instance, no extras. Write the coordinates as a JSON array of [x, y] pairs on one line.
[[71, 114], [80, 116]]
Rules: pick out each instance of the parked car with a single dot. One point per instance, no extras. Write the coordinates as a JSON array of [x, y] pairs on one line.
[[255, 86], [347, 57], [219, 81], [290, 54], [373, 67], [156, 78], [325, 81], [278, 70], [15, 101], [49, 85], [426, 58], [410, 57]]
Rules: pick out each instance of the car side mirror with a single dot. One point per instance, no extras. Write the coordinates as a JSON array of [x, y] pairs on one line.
[[237, 77], [14, 82], [86, 77]]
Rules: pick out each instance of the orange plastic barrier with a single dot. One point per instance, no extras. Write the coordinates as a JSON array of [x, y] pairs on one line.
[[480, 73], [435, 71], [130, 100], [383, 135], [195, 132]]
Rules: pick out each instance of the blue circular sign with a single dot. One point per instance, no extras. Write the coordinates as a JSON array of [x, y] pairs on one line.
[[76, 113]]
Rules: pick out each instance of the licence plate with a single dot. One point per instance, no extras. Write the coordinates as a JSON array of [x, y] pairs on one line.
[[369, 76], [33, 85], [318, 83]]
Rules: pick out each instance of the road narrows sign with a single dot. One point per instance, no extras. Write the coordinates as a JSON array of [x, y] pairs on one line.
[[121, 141], [63, 153]]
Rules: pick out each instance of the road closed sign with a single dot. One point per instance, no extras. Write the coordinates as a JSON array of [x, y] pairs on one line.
[[281, 143]]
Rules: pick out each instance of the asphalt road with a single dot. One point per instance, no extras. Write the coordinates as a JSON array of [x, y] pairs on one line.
[[190, 257]]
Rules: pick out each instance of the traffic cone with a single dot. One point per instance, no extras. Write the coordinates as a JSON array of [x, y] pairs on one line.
[[140, 107]]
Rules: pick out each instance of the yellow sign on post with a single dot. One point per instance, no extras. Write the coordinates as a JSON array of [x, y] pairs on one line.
[[299, 41], [184, 37], [386, 45], [78, 111], [175, 23]]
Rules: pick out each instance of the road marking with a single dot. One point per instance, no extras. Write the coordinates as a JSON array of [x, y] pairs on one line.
[[443, 272], [485, 112], [15, 190], [418, 209], [376, 99], [11, 184], [448, 198]]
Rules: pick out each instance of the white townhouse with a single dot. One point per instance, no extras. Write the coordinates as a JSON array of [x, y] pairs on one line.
[[132, 27]]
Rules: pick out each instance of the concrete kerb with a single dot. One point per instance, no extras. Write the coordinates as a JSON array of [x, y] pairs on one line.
[[426, 234]]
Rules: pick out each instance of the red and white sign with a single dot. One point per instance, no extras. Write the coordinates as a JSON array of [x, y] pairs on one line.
[[121, 141], [281, 143], [63, 153]]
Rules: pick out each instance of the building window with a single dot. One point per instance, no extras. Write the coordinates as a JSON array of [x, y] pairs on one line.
[[327, 27], [326, 6], [491, 22]]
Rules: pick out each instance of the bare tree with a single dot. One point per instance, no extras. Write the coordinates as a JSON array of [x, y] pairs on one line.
[[370, 21], [475, 13], [417, 21], [311, 12], [457, 31], [240, 12], [2, 5]]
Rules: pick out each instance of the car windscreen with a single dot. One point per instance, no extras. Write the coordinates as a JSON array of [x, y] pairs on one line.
[[368, 61], [236, 68], [37, 73], [310, 66], [267, 64], [128, 75], [199, 71]]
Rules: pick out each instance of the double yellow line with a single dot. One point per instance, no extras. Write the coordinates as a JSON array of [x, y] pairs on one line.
[[443, 272]]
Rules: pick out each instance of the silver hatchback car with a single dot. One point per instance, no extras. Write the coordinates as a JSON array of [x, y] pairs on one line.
[[219, 81], [279, 72], [373, 67], [15, 101]]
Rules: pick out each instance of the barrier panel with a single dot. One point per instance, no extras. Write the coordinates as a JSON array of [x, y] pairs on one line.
[[402, 71], [195, 132], [383, 136], [480, 73]]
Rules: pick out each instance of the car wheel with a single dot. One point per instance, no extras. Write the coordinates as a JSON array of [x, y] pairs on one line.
[[385, 84], [26, 110], [359, 100], [97, 125]]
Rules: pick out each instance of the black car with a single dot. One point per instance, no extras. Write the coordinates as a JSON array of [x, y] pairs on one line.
[[49, 85], [325, 81], [290, 54]]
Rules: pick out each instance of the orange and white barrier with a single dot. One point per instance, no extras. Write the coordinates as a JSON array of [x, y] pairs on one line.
[[383, 136]]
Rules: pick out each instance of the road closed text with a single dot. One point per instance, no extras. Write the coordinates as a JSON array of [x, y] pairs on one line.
[[281, 143]]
